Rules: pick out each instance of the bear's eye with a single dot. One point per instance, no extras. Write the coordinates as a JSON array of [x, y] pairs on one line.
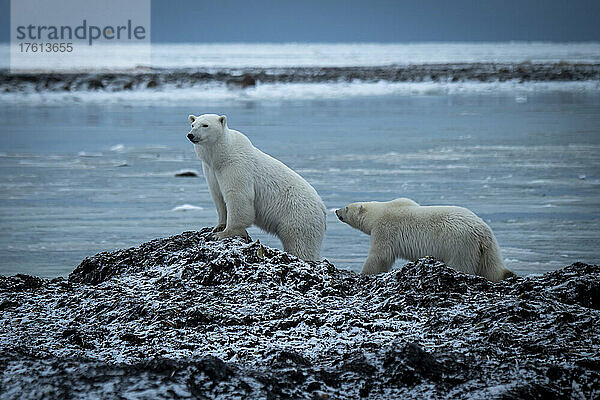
[[204, 126], [346, 209]]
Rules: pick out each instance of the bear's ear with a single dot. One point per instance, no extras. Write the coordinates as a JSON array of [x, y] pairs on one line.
[[191, 118], [223, 120], [362, 209]]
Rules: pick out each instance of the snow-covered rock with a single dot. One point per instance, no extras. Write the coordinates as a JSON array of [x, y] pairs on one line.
[[190, 316]]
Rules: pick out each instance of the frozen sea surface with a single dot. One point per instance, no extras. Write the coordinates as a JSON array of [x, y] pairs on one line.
[[77, 178]]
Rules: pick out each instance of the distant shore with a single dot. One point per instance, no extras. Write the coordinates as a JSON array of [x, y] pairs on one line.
[[156, 78]]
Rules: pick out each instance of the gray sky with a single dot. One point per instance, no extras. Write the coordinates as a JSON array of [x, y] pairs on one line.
[[372, 21]]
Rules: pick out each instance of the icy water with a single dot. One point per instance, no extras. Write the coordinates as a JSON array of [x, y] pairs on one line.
[[509, 130], [79, 178]]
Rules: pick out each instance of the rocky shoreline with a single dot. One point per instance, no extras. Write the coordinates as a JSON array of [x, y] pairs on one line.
[[192, 317], [154, 78]]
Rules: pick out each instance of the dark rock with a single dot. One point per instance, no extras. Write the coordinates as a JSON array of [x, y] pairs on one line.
[[409, 364], [131, 338], [285, 358], [247, 80], [193, 316], [104, 266], [186, 174], [357, 363], [95, 84], [244, 81], [7, 304], [530, 391], [77, 338], [20, 282]]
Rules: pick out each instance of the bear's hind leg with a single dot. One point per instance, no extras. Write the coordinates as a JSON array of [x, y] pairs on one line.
[[306, 246]]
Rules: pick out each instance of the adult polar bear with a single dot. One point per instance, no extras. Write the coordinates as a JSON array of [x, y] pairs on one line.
[[402, 228], [251, 187]]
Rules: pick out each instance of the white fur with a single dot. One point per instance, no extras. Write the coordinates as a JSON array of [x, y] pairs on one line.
[[250, 187], [403, 229]]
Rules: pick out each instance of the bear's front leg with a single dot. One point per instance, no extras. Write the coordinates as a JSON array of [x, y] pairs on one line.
[[380, 259], [240, 212], [217, 196]]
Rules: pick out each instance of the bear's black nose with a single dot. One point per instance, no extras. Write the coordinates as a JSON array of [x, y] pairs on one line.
[[190, 136]]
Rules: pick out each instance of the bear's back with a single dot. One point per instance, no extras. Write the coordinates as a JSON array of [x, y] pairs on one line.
[[280, 194]]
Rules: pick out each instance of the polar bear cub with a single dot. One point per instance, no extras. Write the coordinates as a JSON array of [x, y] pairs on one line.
[[403, 229], [250, 187]]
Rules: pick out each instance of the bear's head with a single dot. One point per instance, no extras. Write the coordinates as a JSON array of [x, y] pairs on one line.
[[364, 215], [207, 128], [354, 215]]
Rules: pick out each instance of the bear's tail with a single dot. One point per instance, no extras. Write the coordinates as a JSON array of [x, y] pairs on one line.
[[490, 261]]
